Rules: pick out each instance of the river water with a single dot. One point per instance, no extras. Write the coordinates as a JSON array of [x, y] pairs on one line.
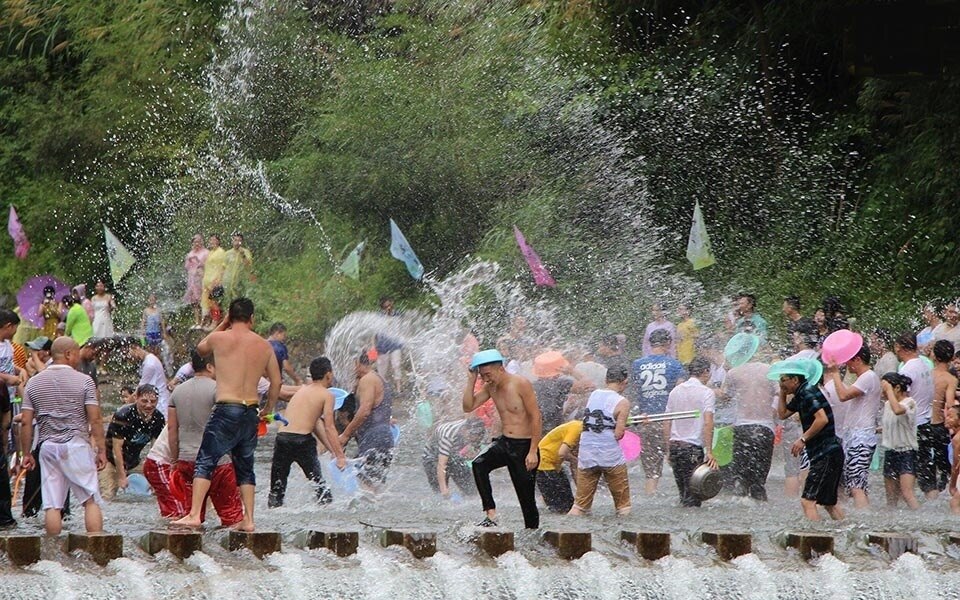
[[459, 570]]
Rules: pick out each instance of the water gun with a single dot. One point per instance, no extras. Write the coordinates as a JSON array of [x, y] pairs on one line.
[[262, 427]]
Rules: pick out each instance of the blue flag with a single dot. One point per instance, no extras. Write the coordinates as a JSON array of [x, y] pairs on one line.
[[401, 250]]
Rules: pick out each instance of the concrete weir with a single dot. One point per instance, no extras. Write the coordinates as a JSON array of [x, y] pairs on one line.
[[893, 543], [21, 549], [341, 543], [728, 544], [651, 545], [102, 547], [421, 544], [810, 544], [569, 544], [494, 541], [181, 544], [260, 543]]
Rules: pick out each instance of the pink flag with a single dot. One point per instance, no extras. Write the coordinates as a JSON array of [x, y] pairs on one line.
[[540, 274], [20, 243]]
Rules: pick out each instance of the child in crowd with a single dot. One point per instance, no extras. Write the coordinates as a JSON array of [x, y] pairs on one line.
[[127, 394], [899, 435]]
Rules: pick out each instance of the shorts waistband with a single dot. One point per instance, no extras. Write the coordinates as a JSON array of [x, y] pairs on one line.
[[231, 403]]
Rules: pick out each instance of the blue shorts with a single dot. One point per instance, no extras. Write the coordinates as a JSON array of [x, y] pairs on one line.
[[232, 429], [899, 462]]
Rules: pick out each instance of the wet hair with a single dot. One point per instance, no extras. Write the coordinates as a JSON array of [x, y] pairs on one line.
[[864, 354], [128, 388], [277, 327], [364, 359], [698, 366], [943, 351], [884, 335], [147, 388], [907, 340], [610, 341], [7, 317], [832, 306], [898, 381], [809, 334], [215, 235], [241, 310], [319, 367], [793, 301], [198, 361], [616, 374], [750, 298], [68, 300], [660, 337]]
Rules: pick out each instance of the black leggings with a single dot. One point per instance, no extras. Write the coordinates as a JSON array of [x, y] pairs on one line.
[[300, 448], [556, 491], [752, 453], [510, 453]]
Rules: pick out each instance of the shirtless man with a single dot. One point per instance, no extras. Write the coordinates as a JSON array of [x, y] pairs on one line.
[[516, 449], [241, 357], [309, 414], [944, 396], [371, 425]]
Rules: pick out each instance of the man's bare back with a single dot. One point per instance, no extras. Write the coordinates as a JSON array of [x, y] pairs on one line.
[[241, 357], [944, 394], [305, 409]]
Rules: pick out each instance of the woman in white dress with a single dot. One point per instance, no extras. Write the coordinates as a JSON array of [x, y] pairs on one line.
[[103, 307]]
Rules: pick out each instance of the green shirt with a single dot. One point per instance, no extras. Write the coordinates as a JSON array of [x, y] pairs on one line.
[[78, 324]]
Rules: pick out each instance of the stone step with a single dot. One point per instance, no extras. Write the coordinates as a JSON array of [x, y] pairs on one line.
[[180, 543], [569, 544], [651, 545], [260, 543], [341, 543], [421, 544], [21, 549], [893, 543], [810, 544], [494, 541], [728, 544], [102, 547]]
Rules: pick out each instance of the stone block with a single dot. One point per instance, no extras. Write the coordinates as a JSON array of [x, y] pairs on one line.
[[810, 544], [102, 547], [569, 544], [21, 549], [179, 543], [494, 541], [892, 543], [341, 543], [651, 545], [260, 543], [422, 544], [728, 544]]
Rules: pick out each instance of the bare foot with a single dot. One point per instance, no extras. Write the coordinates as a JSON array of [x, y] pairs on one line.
[[244, 525], [187, 521]]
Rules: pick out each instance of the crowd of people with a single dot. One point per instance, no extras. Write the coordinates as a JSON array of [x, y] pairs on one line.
[[555, 416]]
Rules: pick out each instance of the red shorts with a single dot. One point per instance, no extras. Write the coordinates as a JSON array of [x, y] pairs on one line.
[[159, 475], [224, 493]]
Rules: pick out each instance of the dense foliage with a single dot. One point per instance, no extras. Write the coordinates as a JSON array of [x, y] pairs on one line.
[[592, 125]]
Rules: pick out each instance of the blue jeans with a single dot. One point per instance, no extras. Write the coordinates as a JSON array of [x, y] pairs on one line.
[[232, 428]]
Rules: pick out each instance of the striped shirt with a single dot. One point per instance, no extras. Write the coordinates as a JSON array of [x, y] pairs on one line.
[[445, 441], [58, 396]]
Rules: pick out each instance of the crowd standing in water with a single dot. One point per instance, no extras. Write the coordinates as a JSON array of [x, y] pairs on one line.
[[558, 417]]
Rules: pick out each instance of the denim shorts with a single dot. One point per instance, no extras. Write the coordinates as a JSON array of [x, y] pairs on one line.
[[232, 429]]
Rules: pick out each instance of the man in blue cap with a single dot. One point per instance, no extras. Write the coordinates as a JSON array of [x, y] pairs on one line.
[[516, 449], [799, 378]]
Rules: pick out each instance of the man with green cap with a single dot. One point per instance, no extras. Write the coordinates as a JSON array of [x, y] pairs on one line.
[[799, 378]]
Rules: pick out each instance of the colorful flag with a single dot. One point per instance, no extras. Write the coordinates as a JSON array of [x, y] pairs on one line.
[[351, 264], [120, 258], [21, 245], [698, 247], [401, 250], [540, 274]]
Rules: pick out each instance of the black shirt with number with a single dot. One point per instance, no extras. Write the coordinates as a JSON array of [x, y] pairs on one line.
[[136, 432]]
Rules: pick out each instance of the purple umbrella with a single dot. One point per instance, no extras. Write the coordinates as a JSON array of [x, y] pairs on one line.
[[30, 296]]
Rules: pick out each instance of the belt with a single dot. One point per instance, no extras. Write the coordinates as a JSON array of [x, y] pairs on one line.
[[243, 404]]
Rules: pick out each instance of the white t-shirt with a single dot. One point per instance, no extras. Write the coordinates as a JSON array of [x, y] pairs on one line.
[[690, 395], [839, 408], [944, 331], [160, 451], [863, 411], [921, 390], [151, 372], [900, 431]]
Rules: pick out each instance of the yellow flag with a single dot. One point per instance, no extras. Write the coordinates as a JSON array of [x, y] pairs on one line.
[[698, 247], [120, 258]]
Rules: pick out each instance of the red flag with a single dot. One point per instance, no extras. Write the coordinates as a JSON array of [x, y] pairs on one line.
[[540, 274], [20, 243]]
